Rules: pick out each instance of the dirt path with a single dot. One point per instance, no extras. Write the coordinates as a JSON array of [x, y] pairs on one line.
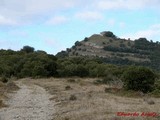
[[31, 102]]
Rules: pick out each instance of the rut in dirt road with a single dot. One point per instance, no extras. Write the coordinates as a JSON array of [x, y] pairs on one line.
[[31, 102]]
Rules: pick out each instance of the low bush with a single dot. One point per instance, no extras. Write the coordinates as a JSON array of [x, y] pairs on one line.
[[73, 97], [139, 79], [155, 93], [4, 79], [68, 87]]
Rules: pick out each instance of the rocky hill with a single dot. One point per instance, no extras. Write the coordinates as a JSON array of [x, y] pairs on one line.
[[114, 50]]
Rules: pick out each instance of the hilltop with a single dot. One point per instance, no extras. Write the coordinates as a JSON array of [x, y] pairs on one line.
[[111, 49]]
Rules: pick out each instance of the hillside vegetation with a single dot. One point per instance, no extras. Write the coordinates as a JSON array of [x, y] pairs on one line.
[[111, 49], [27, 63], [88, 58]]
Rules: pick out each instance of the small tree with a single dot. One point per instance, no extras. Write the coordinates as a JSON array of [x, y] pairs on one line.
[[77, 43], [139, 79], [108, 34], [27, 49], [86, 39]]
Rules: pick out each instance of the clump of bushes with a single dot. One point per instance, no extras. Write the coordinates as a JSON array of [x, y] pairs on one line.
[[68, 87], [108, 34], [86, 39], [4, 79], [139, 79], [73, 97], [156, 91], [109, 78]]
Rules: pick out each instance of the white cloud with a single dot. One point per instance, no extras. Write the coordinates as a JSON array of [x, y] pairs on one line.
[[25, 11], [111, 22], [18, 33], [57, 20], [8, 44], [122, 24], [50, 42], [53, 45], [153, 32], [6, 21], [28, 11], [89, 15], [115, 23], [34, 6], [127, 4]]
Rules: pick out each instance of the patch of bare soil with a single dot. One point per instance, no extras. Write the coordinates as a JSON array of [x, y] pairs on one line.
[[30, 102]]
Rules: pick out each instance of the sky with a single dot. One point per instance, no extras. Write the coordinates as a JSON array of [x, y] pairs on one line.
[[54, 25]]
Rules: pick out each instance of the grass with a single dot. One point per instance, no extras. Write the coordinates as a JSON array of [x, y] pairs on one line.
[[6, 88], [2, 94], [93, 102]]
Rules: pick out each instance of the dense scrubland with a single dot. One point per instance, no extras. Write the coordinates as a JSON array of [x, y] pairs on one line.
[[37, 64]]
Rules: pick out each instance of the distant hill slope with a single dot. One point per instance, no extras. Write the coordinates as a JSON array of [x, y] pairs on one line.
[[111, 49]]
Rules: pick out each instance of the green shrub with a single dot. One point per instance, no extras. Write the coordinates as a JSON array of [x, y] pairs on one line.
[[139, 79], [4, 79], [156, 93], [27, 49], [109, 78], [86, 39]]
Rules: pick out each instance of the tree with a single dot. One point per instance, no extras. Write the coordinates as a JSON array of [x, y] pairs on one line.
[[81, 71], [51, 68], [27, 49], [62, 54], [108, 34], [86, 39], [39, 71], [139, 79], [77, 43]]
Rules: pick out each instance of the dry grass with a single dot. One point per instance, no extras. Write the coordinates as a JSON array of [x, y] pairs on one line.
[[11, 87], [2, 94], [4, 89], [92, 101]]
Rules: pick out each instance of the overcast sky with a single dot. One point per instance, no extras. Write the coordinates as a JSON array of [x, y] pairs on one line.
[[54, 25]]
